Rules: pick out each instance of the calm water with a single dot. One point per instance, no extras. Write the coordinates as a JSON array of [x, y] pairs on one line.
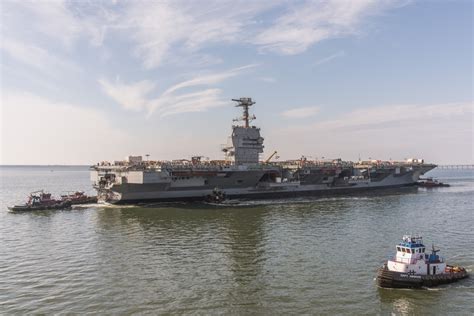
[[275, 257]]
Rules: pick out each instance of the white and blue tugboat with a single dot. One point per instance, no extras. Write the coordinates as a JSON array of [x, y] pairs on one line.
[[413, 268]]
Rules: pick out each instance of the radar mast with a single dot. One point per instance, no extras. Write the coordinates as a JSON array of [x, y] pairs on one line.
[[245, 103]]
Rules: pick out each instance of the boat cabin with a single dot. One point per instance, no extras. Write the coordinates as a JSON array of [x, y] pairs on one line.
[[411, 258], [40, 198], [410, 249]]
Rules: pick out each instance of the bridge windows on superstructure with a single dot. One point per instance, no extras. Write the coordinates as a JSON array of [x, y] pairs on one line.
[[403, 250], [399, 249]]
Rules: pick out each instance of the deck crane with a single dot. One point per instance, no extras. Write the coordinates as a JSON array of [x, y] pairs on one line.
[[270, 158]]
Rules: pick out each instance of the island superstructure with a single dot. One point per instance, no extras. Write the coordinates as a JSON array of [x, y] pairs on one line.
[[242, 175]]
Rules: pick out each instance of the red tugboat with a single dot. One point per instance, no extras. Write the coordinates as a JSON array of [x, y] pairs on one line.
[[79, 197], [39, 200], [413, 268], [431, 183]]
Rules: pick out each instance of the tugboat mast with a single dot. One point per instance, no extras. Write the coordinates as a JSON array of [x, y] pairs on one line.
[[245, 103]]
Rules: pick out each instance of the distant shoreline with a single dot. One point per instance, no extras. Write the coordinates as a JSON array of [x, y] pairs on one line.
[[49, 166]]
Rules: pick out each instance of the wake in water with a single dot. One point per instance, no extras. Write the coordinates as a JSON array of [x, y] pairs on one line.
[[227, 203], [101, 205], [300, 200]]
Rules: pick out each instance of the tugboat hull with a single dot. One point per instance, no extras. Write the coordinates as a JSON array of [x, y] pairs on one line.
[[87, 200], [392, 279], [29, 208]]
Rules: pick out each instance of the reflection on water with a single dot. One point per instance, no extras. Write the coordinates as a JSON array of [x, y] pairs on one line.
[[313, 256], [408, 302], [194, 251], [403, 306]]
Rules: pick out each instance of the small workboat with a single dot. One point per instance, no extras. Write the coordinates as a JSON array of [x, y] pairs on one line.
[[79, 197], [431, 183], [413, 268], [216, 197], [39, 200]]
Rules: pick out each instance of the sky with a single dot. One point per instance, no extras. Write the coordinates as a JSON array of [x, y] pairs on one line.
[[88, 81]]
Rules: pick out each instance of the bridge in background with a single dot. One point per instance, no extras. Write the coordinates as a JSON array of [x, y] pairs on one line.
[[455, 167]]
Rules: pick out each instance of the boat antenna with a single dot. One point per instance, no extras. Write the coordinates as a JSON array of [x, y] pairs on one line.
[[245, 103]]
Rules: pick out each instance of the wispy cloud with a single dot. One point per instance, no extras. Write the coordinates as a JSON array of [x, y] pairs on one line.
[[183, 27], [329, 58], [36, 57], [391, 116], [44, 34], [209, 79], [440, 133], [189, 102], [129, 96], [301, 112], [267, 79], [163, 32], [51, 20], [310, 22], [173, 100], [61, 21]]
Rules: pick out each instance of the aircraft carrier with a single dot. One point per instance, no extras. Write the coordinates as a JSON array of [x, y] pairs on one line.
[[243, 175]]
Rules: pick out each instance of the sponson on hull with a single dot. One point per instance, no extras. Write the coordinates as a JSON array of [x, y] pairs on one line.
[[242, 174], [413, 268]]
